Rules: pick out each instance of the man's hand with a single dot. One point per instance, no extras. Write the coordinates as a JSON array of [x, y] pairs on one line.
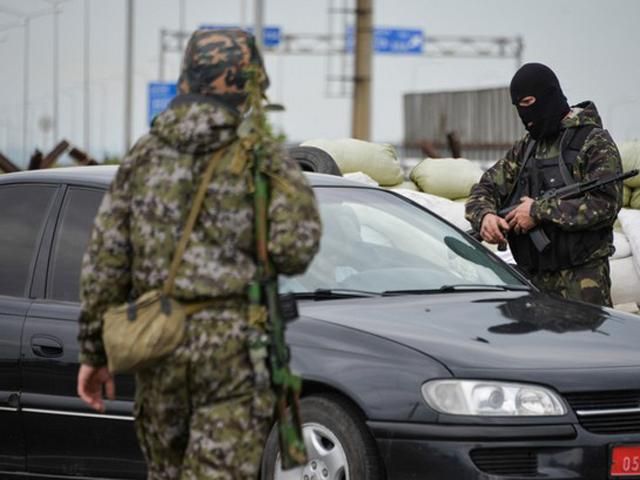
[[90, 383], [520, 217], [492, 229]]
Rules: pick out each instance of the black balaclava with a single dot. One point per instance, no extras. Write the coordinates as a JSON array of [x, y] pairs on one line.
[[550, 107]]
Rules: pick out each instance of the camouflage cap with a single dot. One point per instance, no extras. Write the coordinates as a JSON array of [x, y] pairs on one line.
[[214, 64]]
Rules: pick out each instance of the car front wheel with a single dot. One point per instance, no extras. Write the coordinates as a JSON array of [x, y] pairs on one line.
[[339, 445]]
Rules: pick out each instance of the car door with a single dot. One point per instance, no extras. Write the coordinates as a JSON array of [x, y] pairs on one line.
[[24, 210], [63, 435]]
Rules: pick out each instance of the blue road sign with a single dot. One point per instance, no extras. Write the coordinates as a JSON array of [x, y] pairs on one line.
[[396, 41], [271, 36], [160, 94]]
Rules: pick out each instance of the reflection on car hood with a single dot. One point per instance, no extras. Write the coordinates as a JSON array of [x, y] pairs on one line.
[[510, 330]]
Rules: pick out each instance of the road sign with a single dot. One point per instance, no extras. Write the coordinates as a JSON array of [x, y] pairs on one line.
[[271, 36], [160, 94], [396, 41]]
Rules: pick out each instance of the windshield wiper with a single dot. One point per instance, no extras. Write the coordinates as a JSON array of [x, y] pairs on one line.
[[327, 293], [462, 287], [479, 287]]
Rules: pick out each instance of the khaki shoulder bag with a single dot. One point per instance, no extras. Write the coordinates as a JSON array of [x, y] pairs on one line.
[[138, 334]]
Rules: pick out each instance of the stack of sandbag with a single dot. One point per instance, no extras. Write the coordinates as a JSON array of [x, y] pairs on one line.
[[377, 160], [451, 211], [630, 153], [450, 178], [625, 263], [361, 177]]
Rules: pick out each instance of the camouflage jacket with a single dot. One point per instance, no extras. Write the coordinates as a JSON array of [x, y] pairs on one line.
[[599, 157], [140, 220]]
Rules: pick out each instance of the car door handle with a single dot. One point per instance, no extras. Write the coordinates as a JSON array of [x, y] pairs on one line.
[[45, 346]]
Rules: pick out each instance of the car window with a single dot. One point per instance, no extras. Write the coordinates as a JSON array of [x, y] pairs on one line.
[[72, 235], [23, 211], [373, 240]]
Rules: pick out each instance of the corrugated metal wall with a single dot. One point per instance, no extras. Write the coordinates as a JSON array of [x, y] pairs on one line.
[[484, 120]]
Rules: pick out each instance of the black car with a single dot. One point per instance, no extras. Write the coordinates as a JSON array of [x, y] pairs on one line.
[[423, 355]]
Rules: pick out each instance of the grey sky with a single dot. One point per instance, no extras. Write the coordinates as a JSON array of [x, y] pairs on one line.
[[591, 44]]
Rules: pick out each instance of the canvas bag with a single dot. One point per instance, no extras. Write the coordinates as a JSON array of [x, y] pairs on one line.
[[137, 334]]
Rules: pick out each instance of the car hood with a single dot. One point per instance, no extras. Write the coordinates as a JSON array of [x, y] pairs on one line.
[[501, 330]]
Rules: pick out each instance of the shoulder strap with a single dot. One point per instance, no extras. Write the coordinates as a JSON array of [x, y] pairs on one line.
[[191, 220], [569, 153], [529, 150], [579, 137]]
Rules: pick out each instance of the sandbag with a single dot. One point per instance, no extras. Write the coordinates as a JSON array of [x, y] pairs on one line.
[[630, 153], [630, 221], [450, 178], [447, 209], [621, 244], [378, 160], [361, 177], [634, 200], [408, 185], [625, 281], [626, 195]]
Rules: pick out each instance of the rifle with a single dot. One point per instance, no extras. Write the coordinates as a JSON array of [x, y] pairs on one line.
[[537, 235], [266, 305]]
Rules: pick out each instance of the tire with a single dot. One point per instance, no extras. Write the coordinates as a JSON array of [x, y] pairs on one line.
[[312, 159], [333, 430]]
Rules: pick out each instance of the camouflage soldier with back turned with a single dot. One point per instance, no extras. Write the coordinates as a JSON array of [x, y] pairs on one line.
[[564, 145], [198, 413]]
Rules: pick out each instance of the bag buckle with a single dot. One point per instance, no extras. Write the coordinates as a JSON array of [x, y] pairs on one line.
[[165, 305], [131, 311]]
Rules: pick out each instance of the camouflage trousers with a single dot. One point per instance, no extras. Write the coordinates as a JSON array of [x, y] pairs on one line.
[[589, 283], [198, 414]]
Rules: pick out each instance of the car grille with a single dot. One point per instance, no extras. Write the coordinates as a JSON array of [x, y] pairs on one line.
[[506, 461], [607, 412]]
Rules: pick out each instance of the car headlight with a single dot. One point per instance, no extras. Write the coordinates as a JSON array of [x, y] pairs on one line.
[[488, 398]]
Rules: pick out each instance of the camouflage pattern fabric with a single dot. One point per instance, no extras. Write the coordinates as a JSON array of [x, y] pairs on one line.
[[598, 158], [214, 62], [138, 225], [589, 283], [198, 414]]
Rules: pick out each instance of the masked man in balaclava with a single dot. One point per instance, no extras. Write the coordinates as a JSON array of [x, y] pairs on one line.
[[200, 412], [564, 145]]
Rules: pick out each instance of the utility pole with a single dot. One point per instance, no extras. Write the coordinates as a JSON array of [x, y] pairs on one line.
[[128, 82], [25, 92], [87, 92], [243, 14], [55, 73], [25, 22], [361, 115], [259, 23], [183, 26]]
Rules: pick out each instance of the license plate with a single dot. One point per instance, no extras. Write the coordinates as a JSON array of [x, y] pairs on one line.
[[625, 461]]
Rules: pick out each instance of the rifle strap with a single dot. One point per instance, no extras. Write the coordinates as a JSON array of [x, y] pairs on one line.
[[567, 178], [529, 150], [568, 154], [191, 220]]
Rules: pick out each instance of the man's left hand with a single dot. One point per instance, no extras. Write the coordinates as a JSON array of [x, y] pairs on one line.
[[519, 218]]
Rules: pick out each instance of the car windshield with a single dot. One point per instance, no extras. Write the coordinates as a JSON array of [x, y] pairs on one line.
[[376, 242]]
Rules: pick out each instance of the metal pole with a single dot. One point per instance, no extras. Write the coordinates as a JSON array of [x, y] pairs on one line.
[[243, 13], [183, 26], [87, 91], [162, 53], [259, 23], [362, 82], [25, 92], [519, 50], [56, 61], [128, 95]]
